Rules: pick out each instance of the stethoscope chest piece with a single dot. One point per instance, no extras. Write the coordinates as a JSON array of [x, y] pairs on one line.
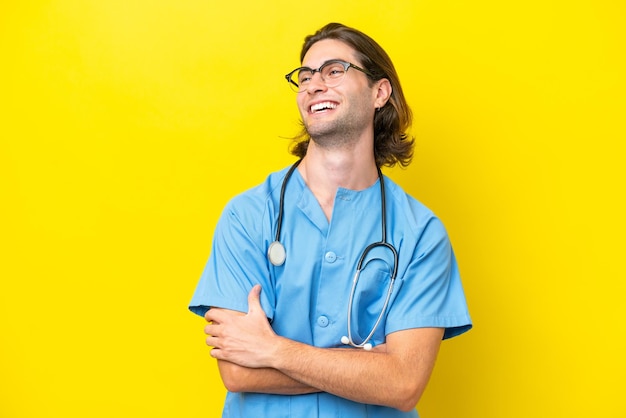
[[276, 253]]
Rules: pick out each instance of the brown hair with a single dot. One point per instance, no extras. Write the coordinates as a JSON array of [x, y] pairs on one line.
[[392, 145]]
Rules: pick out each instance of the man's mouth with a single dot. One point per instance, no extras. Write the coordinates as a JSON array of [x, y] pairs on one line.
[[320, 107]]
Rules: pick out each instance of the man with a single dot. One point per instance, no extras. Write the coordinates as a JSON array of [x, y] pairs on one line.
[[295, 331]]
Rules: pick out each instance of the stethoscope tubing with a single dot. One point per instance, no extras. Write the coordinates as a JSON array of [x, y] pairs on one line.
[[281, 203], [276, 255]]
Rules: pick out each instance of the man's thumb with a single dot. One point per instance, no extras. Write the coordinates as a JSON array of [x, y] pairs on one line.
[[253, 298]]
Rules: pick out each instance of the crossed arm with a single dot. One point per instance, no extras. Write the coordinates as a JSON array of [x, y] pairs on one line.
[[252, 358]]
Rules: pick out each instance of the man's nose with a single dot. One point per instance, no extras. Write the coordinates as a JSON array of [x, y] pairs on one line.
[[317, 83]]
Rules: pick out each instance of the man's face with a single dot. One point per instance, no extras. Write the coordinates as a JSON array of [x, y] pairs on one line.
[[335, 115]]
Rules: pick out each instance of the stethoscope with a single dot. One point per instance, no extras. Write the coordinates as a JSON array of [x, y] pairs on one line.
[[277, 255]]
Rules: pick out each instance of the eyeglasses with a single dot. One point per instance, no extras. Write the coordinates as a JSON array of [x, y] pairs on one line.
[[332, 72]]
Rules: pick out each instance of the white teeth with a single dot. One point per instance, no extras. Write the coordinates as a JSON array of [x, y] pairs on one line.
[[321, 106]]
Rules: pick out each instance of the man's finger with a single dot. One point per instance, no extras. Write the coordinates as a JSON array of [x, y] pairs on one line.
[[254, 302], [212, 341], [211, 329], [214, 315]]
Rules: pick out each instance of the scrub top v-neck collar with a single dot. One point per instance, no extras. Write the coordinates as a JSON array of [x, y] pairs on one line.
[[309, 205]]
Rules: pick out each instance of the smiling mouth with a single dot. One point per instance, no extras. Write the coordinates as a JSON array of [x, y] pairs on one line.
[[320, 107]]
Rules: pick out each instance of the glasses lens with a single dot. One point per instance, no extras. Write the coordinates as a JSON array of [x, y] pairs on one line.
[[293, 86], [302, 77], [294, 80], [333, 73]]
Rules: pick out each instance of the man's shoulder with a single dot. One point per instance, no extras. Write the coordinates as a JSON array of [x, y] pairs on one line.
[[411, 213], [406, 202]]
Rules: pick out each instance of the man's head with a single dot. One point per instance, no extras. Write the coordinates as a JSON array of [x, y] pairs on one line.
[[390, 122]]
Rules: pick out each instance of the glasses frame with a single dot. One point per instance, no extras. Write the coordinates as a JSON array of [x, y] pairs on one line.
[[346, 66]]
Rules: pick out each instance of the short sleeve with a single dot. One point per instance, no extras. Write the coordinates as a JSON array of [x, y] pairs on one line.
[[431, 293], [237, 263]]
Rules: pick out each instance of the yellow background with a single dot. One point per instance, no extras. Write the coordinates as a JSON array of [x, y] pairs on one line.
[[125, 126]]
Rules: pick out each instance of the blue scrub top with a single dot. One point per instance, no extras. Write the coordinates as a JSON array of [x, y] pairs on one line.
[[306, 299]]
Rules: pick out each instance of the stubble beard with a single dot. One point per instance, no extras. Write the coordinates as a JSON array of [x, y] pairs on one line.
[[336, 134]]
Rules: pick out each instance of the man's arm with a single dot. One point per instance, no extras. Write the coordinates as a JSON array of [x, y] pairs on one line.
[[395, 377], [244, 379], [237, 378]]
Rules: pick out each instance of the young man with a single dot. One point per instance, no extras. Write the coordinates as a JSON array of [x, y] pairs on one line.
[[345, 316]]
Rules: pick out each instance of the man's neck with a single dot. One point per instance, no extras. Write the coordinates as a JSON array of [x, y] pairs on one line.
[[325, 170]]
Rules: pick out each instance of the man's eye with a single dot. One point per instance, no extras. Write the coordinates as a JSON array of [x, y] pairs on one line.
[[304, 76], [334, 71]]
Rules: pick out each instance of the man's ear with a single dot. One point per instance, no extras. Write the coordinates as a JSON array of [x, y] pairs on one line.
[[383, 92]]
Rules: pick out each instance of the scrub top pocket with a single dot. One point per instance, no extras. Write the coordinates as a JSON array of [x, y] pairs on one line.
[[369, 300]]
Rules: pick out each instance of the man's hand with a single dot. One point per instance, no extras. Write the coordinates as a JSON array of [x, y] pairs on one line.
[[246, 340]]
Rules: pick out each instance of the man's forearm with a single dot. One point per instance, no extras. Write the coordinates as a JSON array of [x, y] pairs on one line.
[[395, 379], [346, 373], [244, 379]]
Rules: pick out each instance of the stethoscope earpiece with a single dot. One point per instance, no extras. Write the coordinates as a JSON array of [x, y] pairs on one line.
[[346, 341]]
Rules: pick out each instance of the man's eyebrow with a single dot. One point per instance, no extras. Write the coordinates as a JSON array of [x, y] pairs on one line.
[[324, 63]]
